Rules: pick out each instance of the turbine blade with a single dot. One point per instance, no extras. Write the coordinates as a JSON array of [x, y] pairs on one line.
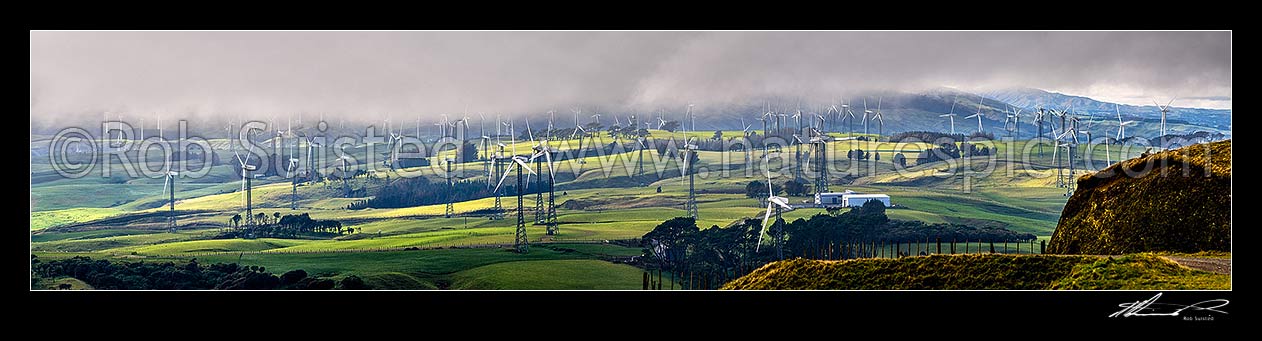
[[764, 227], [497, 186], [547, 156]]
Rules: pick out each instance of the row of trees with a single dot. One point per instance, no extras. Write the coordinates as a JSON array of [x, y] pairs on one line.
[[107, 275], [947, 151], [678, 247], [287, 226], [859, 154], [938, 137], [758, 190], [418, 191]]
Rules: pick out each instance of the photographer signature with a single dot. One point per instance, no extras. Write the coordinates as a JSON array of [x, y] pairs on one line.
[[1150, 307]]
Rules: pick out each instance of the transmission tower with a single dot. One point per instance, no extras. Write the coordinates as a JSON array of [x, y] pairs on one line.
[[821, 182], [451, 207], [498, 210], [692, 190], [520, 243]]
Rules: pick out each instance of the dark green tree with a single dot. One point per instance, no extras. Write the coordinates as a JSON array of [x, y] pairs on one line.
[[670, 126], [794, 188]]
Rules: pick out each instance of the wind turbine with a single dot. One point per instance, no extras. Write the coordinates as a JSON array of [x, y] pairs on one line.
[[486, 145], [579, 132], [246, 186], [979, 120], [849, 116], [169, 182], [833, 112], [798, 118], [1008, 121], [498, 210], [978, 115], [691, 117], [1164, 109], [293, 182], [866, 112], [549, 216], [539, 208], [520, 243], [880, 121], [773, 202], [346, 186], [763, 118], [1038, 119]]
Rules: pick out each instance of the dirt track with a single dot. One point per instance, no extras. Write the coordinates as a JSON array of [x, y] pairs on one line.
[[1215, 265]]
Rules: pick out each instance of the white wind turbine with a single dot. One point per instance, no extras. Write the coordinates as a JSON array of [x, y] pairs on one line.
[[775, 202], [246, 187], [979, 120], [866, 112], [1164, 109], [880, 121], [169, 182], [978, 115]]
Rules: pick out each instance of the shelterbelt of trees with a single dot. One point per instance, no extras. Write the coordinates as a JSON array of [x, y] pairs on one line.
[[287, 226], [679, 247], [114, 275]]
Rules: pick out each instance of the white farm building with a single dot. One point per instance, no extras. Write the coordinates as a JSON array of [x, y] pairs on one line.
[[849, 199]]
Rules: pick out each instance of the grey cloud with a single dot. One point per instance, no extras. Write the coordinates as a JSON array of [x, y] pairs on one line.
[[370, 74]]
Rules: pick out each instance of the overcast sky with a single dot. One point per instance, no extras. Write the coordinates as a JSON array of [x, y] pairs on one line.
[[370, 73]]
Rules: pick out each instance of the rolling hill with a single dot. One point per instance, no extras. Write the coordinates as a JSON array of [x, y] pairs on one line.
[[1177, 200]]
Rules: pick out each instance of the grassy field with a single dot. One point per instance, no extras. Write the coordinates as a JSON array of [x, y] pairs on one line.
[[54, 218], [439, 268], [576, 274]]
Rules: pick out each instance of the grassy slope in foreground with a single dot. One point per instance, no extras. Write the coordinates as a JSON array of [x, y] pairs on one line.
[[1163, 209], [992, 272], [574, 274]]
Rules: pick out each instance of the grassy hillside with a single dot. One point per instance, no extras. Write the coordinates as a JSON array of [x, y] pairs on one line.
[[989, 272], [1177, 200], [576, 274]]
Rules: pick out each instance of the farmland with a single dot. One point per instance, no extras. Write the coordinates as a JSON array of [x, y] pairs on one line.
[[597, 198]]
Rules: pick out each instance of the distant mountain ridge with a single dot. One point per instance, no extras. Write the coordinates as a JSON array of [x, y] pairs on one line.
[[1031, 98]]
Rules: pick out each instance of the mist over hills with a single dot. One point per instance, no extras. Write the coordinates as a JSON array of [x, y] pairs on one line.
[[901, 111]]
